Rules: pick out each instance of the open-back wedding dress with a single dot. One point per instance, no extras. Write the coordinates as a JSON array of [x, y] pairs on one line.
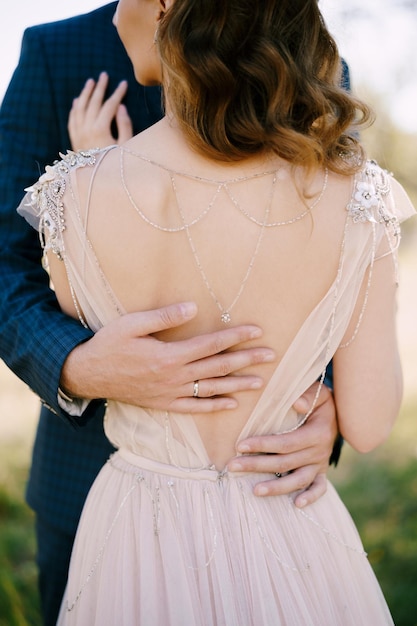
[[167, 540]]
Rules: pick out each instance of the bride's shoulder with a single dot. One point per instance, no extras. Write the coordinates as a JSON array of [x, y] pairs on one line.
[[46, 201], [377, 196], [53, 182]]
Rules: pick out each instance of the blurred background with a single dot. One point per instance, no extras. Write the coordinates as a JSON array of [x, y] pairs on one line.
[[378, 39]]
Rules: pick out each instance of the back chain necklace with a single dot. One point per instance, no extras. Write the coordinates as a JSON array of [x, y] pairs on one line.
[[225, 316], [220, 185]]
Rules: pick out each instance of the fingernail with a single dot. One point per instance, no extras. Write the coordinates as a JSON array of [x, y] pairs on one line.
[[243, 448], [257, 384], [188, 309], [235, 466], [256, 332], [270, 356], [261, 490], [300, 503], [231, 404]]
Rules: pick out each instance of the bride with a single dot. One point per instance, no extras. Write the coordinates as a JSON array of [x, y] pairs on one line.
[[253, 200]]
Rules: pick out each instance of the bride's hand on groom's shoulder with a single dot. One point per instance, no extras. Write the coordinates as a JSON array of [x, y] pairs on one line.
[[91, 116]]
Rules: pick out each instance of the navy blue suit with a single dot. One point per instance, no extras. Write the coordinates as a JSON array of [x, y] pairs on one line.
[[35, 337]]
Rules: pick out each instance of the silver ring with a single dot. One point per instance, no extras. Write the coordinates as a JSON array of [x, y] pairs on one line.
[[278, 474], [195, 389]]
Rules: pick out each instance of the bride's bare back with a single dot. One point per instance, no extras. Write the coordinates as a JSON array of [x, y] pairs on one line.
[[253, 242]]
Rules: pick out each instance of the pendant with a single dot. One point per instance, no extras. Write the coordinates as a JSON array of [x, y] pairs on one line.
[[225, 318]]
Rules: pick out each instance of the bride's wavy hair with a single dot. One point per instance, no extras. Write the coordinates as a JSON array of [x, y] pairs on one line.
[[243, 76]]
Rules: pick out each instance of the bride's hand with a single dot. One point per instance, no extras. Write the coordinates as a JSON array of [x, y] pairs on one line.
[[91, 117], [304, 452]]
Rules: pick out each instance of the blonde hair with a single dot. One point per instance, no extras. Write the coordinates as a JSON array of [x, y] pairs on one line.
[[244, 76]]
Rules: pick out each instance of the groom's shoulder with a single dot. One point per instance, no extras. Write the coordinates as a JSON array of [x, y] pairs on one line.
[[74, 28]]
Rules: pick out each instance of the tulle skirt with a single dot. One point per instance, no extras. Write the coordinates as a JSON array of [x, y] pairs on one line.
[[161, 546]]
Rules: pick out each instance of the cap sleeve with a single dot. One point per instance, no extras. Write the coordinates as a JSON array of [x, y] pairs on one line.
[[400, 203], [381, 201], [43, 207]]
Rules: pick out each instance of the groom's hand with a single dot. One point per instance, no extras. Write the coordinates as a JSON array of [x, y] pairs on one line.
[[304, 452], [124, 362]]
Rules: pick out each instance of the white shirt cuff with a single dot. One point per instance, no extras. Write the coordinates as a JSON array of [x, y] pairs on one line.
[[72, 406]]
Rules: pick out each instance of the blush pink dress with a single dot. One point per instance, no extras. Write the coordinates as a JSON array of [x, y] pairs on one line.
[[165, 539]]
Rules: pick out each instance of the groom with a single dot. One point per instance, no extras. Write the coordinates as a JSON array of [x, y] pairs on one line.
[[57, 357]]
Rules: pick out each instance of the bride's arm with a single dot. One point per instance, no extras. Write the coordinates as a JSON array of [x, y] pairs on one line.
[[367, 372]]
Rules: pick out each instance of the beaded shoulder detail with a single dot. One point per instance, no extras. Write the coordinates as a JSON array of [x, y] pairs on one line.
[[46, 197], [372, 202], [370, 198]]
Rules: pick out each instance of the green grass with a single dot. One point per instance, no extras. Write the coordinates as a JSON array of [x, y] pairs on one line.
[[379, 489], [383, 503], [19, 603]]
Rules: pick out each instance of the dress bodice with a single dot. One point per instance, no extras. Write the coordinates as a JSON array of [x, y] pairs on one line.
[[372, 214]]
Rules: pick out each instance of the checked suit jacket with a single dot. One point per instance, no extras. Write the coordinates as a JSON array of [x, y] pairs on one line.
[[35, 337]]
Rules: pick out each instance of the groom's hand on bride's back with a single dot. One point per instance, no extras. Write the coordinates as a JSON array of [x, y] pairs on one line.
[[299, 459], [124, 361]]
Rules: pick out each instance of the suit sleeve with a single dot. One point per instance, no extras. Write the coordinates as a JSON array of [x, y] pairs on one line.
[[345, 80], [35, 336]]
